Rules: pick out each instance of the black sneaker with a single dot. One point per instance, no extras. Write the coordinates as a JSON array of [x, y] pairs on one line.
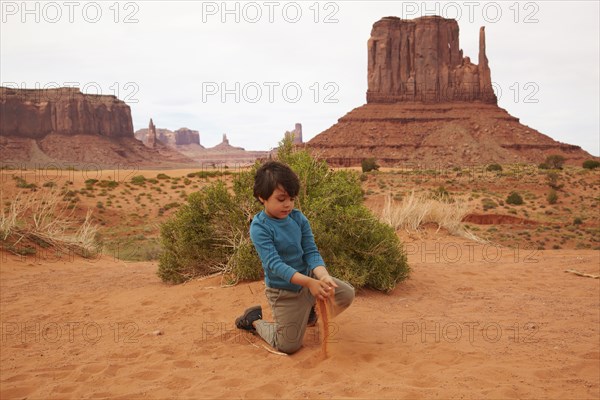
[[312, 317], [250, 315]]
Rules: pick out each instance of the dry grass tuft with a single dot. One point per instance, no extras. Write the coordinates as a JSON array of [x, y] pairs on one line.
[[42, 216], [419, 209]]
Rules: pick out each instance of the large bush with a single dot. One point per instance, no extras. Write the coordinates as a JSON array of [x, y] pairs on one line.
[[210, 233], [591, 164]]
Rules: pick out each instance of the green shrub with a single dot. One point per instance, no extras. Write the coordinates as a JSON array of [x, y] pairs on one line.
[[552, 197], [494, 167], [488, 203], [591, 164], [543, 166], [138, 180], [514, 198], [162, 176], [369, 164], [555, 161], [108, 184], [577, 221], [210, 232], [22, 183]]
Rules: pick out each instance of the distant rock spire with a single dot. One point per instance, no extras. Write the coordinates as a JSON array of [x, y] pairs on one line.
[[151, 138], [485, 75]]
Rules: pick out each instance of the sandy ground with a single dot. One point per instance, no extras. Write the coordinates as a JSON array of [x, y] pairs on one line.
[[472, 321]]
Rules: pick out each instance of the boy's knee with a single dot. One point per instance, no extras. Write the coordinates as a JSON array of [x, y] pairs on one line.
[[289, 347], [345, 295], [347, 298]]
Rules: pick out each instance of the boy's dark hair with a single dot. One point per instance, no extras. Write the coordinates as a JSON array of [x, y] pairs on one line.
[[272, 174]]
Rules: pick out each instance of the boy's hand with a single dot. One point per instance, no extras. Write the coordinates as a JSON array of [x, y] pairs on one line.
[[328, 280], [320, 289]]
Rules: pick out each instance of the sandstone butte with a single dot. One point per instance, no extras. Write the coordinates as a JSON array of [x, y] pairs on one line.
[[66, 126], [429, 105]]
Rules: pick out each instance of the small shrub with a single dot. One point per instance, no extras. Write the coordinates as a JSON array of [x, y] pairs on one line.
[[488, 204], [494, 167], [577, 221], [514, 198], [591, 164], [552, 197], [543, 166], [552, 180], [138, 180], [369, 164], [108, 184], [555, 161], [163, 176], [22, 183]]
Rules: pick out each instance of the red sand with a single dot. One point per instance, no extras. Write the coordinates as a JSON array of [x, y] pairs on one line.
[[515, 327]]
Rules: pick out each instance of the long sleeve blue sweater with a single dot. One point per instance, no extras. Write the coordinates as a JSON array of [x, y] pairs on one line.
[[285, 246]]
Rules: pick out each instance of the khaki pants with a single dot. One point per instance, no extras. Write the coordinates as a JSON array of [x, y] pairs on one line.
[[291, 311]]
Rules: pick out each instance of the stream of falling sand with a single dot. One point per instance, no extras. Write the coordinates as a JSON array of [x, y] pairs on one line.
[[324, 319]]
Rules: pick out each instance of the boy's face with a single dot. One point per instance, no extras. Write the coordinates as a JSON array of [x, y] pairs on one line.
[[279, 204]]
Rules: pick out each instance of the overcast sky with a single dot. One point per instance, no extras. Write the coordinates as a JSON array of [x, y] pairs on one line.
[[253, 69]]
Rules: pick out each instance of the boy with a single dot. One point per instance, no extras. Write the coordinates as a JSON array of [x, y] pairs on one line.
[[295, 274]]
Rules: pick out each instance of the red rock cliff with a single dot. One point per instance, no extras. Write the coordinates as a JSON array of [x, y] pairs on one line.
[[420, 60], [36, 113]]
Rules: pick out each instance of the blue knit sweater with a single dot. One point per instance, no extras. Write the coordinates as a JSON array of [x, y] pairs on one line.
[[285, 246]]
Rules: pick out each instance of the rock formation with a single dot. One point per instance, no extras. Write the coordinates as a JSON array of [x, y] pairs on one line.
[[296, 134], [186, 136], [429, 105], [66, 126], [180, 137], [151, 138], [225, 146], [35, 113], [420, 60]]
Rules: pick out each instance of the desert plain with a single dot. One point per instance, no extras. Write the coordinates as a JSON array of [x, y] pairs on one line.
[[495, 317]]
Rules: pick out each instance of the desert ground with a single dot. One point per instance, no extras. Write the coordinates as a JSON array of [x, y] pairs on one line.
[[496, 318]]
